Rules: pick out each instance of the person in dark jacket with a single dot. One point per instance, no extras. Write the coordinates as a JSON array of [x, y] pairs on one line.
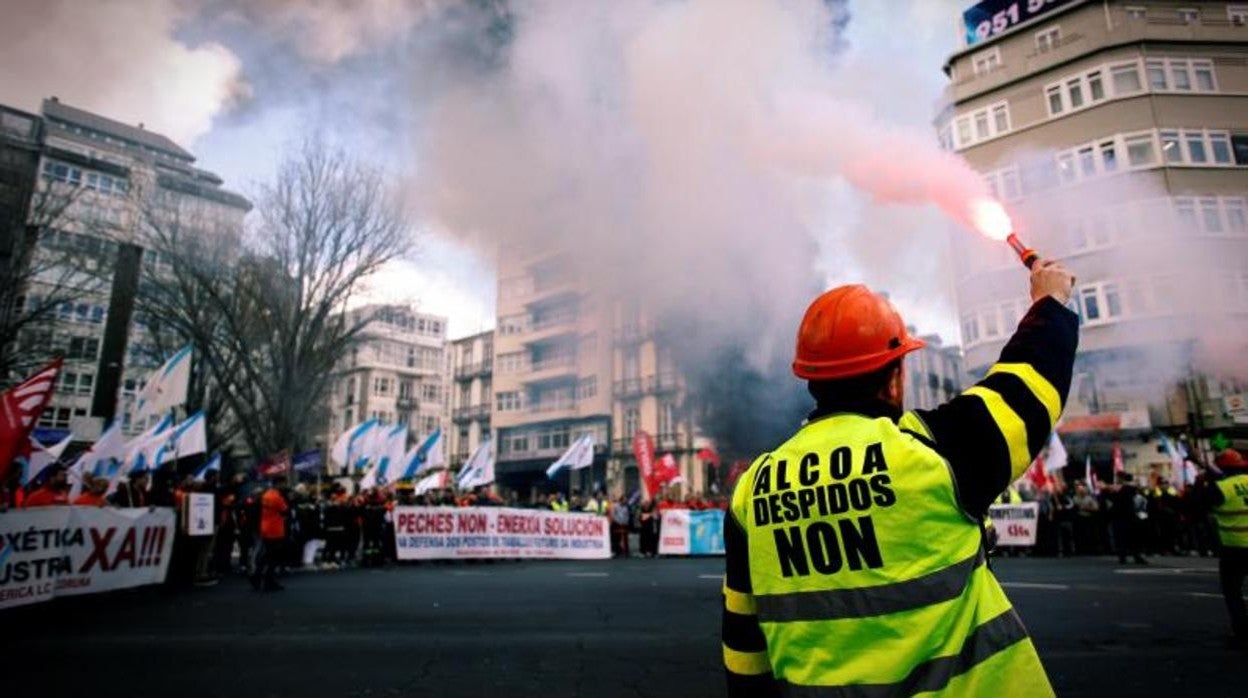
[[132, 492], [1125, 507]]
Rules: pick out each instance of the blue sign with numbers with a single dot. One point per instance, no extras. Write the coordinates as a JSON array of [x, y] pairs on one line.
[[992, 17]]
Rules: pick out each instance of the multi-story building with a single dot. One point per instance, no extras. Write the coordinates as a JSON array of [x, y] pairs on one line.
[[552, 369], [933, 373], [396, 374], [570, 362], [98, 179], [1117, 133], [472, 395]]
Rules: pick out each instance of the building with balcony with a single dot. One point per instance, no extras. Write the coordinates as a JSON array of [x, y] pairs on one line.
[[95, 177], [569, 362], [933, 373], [398, 374], [1117, 133], [472, 392]]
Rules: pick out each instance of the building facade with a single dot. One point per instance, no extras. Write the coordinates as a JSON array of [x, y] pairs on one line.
[[933, 374], [1117, 134], [97, 179], [472, 395], [397, 374], [570, 362]]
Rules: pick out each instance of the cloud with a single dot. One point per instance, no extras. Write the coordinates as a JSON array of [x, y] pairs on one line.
[[121, 59], [329, 31]]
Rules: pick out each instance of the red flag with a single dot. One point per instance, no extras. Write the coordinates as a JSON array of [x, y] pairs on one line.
[[709, 455], [1039, 478], [643, 451], [1117, 459], [20, 408], [276, 464], [668, 471]]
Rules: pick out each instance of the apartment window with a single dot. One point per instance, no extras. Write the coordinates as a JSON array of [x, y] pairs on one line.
[[1055, 100], [83, 348], [1109, 157], [1048, 39], [430, 392], [1180, 76], [1170, 146], [1156, 70], [507, 401], [1236, 215], [1066, 168], [1001, 118], [381, 386], [1074, 89], [964, 130], [1220, 146], [1140, 150], [632, 420], [511, 362], [1210, 216], [981, 125], [587, 388], [1091, 304], [986, 61], [1195, 147], [1087, 161], [1189, 15], [1238, 14], [1203, 71], [1136, 12], [1113, 303], [1185, 214], [667, 417], [1125, 77], [465, 395], [1096, 89]]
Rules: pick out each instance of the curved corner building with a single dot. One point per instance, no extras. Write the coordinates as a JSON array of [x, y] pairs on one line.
[[1117, 133]]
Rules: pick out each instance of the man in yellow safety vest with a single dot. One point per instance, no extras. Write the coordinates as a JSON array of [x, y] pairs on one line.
[[1227, 497], [855, 560]]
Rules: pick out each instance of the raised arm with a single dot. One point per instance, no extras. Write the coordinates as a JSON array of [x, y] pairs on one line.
[[993, 430]]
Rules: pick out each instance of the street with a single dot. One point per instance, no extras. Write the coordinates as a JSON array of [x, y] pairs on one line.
[[601, 629]]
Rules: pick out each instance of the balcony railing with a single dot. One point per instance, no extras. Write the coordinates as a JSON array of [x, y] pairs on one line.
[[650, 385], [663, 443], [470, 371], [406, 402], [471, 413]]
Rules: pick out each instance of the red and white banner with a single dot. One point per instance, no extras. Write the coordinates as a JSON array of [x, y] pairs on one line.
[[1015, 523], [439, 533], [65, 551], [19, 408]]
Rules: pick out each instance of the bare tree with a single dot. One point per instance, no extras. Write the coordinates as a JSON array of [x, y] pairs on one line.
[[267, 315], [56, 259]]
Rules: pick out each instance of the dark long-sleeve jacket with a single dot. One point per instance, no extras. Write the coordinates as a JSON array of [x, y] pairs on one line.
[[989, 434]]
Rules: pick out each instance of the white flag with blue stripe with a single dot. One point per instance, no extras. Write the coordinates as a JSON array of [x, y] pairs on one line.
[[424, 456], [166, 386], [348, 449], [479, 468], [579, 455], [214, 463]]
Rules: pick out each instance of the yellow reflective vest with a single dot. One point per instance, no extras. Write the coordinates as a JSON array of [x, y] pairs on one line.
[[867, 577], [1232, 513]]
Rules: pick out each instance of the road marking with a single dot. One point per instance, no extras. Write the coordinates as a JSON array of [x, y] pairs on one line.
[[1202, 595], [1035, 585], [1164, 571], [710, 576], [588, 574]]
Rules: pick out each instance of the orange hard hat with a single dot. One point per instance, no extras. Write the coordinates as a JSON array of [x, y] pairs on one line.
[[1230, 458], [850, 331]]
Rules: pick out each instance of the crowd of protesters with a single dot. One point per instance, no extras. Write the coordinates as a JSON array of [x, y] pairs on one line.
[[1129, 518]]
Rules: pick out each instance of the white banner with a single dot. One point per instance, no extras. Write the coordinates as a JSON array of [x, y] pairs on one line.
[[1015, 523], [65, 551], [199, 519], [431, 533]]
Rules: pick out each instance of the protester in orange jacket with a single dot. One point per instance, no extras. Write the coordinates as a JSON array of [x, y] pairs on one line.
[[55, 491], [93, 492], [273, 509]]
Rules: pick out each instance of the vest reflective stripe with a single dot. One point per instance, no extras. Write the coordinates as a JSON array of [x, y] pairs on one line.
[[988, 639], [835, 604], [1232, 513], [1012, 427], [913, 422], [738, 602], [748, 663], [1037, 384]]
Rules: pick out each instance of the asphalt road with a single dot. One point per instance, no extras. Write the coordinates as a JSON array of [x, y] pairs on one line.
[[595, 629]]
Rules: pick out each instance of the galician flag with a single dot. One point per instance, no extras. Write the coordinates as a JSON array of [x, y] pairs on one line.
[[100, 460], [579, 455], [214, 463], [348, 448], [166, 386], [424, 456], [478, 470], [187, 439]]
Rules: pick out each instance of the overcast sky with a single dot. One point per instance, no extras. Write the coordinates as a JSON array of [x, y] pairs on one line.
[[236, 82]]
